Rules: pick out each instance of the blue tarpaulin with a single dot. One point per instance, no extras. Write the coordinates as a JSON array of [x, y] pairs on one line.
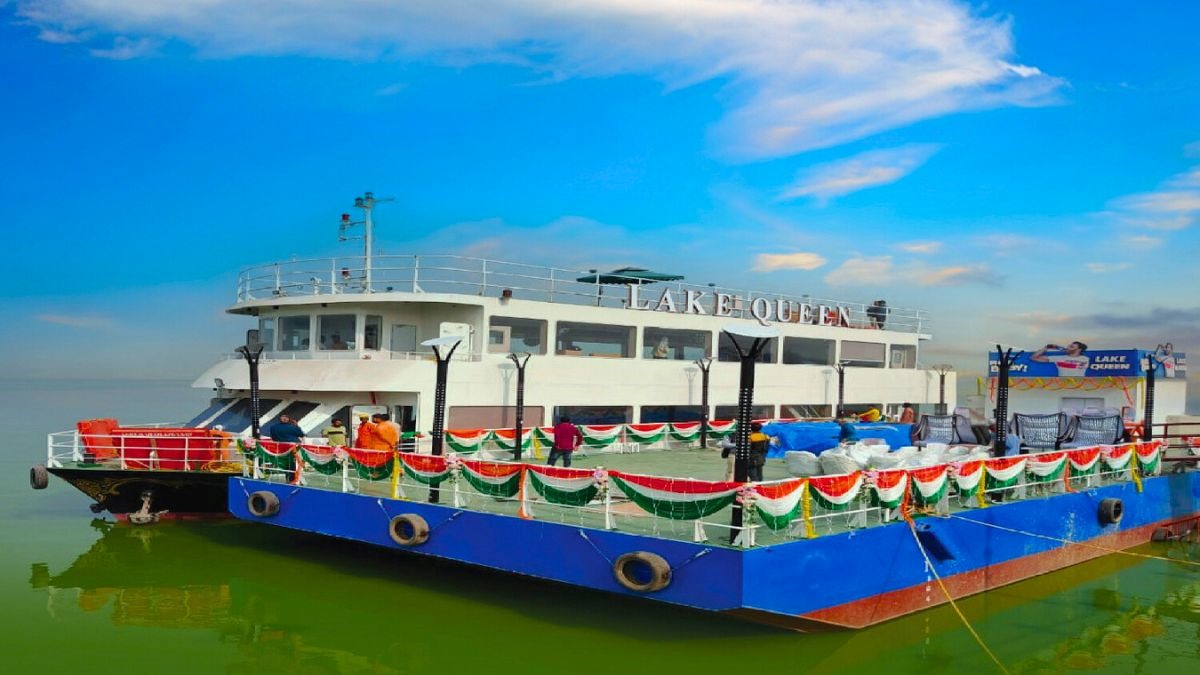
[[817, 437]]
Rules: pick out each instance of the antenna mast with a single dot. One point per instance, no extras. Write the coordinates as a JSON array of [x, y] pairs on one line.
[[367, 203]]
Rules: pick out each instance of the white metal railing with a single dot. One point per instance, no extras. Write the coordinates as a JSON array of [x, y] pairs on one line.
[[477, 276], [130, 450]]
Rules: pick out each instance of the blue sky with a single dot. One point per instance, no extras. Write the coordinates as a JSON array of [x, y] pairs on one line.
[[1025, 171]]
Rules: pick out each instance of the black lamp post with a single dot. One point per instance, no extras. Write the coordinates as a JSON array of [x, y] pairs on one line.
[[840, 367], [703, 364], [1148, 413], [252, 352], [756, 339], [449, 344], [942, 369], [519, 362], [1000, 439]]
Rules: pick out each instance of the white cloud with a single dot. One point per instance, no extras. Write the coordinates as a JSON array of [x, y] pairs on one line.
[[74, 321], [391, 89], [1174, 206], [921, 247], [863, 272], [865, 170], [124, 49], [798, 74], [882, 271], [958, 275], [769, 262], [1103, 268], [1142, 241]]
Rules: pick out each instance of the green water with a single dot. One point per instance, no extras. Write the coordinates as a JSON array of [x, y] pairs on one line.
[[78, 595]]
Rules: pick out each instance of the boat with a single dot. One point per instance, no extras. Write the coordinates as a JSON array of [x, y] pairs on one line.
[[340, 338], [474, 359]]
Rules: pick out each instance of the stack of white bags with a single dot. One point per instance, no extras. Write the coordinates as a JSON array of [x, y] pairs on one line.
[[860, 456]]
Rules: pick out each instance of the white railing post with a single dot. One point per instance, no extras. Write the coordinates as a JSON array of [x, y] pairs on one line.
[[416, 273], [76, 449], [187, 465], [483, 280], [278, 289], [608, 521], [346, 475]]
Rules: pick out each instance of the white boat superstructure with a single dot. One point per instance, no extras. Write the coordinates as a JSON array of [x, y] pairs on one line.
[[340, 337]]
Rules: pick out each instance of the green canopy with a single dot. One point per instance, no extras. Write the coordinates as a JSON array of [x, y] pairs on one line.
[[628, 275]]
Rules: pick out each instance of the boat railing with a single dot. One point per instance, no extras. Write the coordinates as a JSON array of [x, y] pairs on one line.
[[150, 447], [461, 275], [696, 510], [351, 355]]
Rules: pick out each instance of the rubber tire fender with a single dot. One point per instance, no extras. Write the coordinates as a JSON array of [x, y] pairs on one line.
[[408, 529], [1111, 510], [642, 571], [39, 478], [262, 504]]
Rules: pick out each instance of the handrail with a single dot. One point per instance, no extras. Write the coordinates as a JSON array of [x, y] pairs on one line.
[[461, 275]]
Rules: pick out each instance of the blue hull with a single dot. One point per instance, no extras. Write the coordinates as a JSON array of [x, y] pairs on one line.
[[846, 580]]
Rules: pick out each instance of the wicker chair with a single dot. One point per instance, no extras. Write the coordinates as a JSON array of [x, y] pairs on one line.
[[1042, 432], [1089, 430], [946, 429]]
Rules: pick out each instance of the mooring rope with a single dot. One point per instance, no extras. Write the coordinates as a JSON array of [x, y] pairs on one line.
[[912, 527], [1075, 543]]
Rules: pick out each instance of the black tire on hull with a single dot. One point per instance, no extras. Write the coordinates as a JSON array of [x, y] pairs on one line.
[[1111, 511], [408, 529], [642, 571], [39, 478], [262, 504]]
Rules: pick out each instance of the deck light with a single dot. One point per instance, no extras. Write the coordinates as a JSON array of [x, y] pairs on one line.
[[703, 364], [519, 360], [252, 352], [756, 339], [443, 348], [1000, 438], [942, 369]]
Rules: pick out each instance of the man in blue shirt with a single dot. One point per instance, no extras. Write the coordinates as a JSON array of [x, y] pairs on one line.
[[286, 431]]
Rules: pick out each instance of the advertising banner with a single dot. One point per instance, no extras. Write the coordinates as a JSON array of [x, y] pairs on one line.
[[1071, 361]]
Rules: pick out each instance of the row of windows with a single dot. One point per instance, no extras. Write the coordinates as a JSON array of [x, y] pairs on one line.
[[333, 332], [511, 334]]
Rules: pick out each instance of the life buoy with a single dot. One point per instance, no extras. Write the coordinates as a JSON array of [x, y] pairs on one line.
[[1111, 511], [642, 571], [262, 504], [408, 529], [39, 478]]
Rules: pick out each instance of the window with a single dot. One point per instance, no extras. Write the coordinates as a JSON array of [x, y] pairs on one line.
[[294, 333], [730, 412], [594, 339], [677, 345], [404, 338], [295, 410], [863, 354], [266, 333], [372, 332], [807, 410], [499, 339], [904, 356], [808, 351], [671, 413], [726, 352], [217, 404], [524, 335], [593, 414], [336, 331]]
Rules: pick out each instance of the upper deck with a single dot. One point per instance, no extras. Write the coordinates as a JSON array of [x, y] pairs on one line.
[[457, 275]]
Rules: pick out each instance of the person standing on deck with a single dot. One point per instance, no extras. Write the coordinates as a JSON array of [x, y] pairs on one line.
[[907, 414], [760, 444], [387, 433], [335, 433], [364, 437], [286, 431], [567, 438]]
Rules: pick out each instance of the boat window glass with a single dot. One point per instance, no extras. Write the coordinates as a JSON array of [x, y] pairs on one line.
[[676, 345], [651, 414], [266, 332], [594, 414], [404, 338], [217, 404], [808, 351], [236, 419], [524, 335], [904, 356], [730, 412], [726, 352], [295, 410], [863, 354], [806, 411], [594, 339], [294, 333], [336, 331], [372, 331]]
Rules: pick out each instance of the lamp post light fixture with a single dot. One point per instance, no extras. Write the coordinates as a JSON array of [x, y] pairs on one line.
[[1148, 409], [942, 369], [840, 367], [252, 352], [519, 360], [704, 364], [754, 339], [443, 348], [1000, 438]]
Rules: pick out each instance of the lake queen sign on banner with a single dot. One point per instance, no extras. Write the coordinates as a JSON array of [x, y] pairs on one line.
[[764, 310]]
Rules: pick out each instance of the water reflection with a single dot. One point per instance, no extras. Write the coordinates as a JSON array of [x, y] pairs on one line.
[[278, 601]]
